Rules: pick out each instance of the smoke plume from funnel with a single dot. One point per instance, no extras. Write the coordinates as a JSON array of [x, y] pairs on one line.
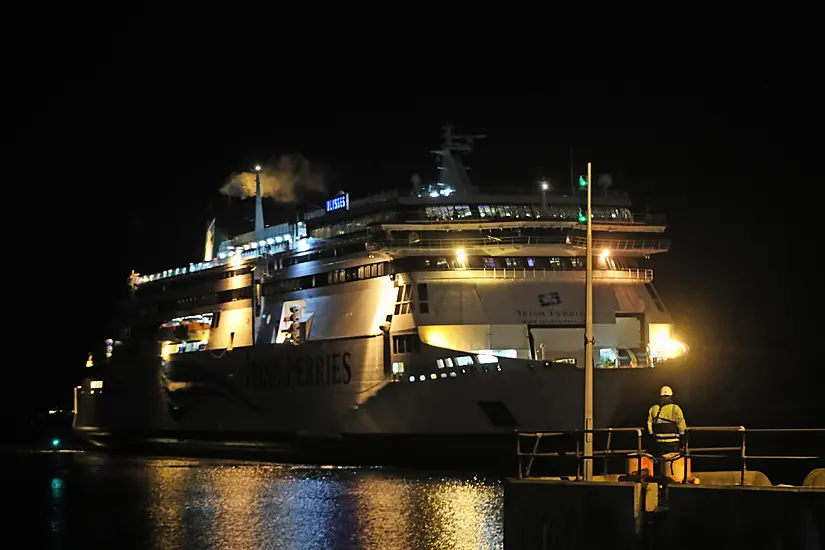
[[283, 179]]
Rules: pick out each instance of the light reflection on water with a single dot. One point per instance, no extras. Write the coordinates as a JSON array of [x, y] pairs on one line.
[[176, 503]]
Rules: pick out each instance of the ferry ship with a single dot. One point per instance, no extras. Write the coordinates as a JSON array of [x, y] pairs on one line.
[[428, 322]]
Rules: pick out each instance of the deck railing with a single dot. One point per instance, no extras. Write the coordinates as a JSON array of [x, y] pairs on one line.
[[738, 451], [542, 274], [621, 244]]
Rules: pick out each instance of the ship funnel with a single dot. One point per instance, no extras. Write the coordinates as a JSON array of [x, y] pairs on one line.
[[259, 203]]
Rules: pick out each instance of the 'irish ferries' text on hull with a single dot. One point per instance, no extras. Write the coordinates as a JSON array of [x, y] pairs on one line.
[[438, 310]]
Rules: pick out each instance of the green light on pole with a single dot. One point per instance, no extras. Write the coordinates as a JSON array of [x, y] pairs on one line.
[[582, 217], [582, 182]]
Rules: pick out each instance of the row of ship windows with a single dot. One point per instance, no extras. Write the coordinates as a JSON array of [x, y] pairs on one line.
[[556, 212], [353, 225], [463, 212], [191, 302], [275, 287], [329, 278]]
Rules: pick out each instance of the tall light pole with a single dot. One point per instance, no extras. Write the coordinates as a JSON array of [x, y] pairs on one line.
[[588, 341], [259, 203]]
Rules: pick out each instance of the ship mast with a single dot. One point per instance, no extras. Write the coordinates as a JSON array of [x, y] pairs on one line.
[[452, 174]]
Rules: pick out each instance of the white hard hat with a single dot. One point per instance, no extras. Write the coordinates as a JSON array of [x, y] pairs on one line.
[[666, 391]]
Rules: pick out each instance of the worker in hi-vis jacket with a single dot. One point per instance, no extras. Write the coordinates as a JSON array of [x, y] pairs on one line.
[[666, 422]]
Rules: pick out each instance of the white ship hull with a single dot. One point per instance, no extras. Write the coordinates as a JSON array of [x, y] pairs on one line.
[[330, 402]]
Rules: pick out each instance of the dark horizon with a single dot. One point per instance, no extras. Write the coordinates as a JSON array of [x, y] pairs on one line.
[[719, 140]]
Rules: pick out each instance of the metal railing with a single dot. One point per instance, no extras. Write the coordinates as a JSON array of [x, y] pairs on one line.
[[621, 244], [540, 274], [606, 454], [571, 221], [465, 244], [687, 452], [511, 242]]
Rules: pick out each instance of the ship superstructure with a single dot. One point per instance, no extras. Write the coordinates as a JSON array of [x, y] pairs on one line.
[[439, 309]]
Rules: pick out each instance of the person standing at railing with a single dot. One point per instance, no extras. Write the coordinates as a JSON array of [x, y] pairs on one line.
[[666, 422]]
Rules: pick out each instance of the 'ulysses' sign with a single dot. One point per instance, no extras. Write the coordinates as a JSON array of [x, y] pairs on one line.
[[318, 370]]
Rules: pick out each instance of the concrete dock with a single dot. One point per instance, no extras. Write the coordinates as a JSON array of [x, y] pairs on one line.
[[712, 509], [571, 515]]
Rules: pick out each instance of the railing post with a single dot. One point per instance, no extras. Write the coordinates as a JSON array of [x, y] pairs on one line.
[[578, 461], [687, 454], [609, 440], [744, 457], [518, 452]]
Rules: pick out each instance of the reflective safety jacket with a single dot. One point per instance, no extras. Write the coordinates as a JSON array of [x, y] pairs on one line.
[[666, 422]]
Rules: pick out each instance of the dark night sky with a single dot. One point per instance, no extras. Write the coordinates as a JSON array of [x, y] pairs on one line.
[[145, 128]]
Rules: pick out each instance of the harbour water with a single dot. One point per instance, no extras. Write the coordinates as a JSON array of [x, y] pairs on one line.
[[76, 499]]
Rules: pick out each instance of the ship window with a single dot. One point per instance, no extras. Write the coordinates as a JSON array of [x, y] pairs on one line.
[[463, 211], [403, 304], [577, 262], [511, 262], [555, 263], [489, 262], [423, 306], [361, 272], [374, 269], [531, 262], [406, 343], [464, 361]]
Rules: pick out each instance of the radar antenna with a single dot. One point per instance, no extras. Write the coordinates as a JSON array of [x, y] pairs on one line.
[[459, 143]]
